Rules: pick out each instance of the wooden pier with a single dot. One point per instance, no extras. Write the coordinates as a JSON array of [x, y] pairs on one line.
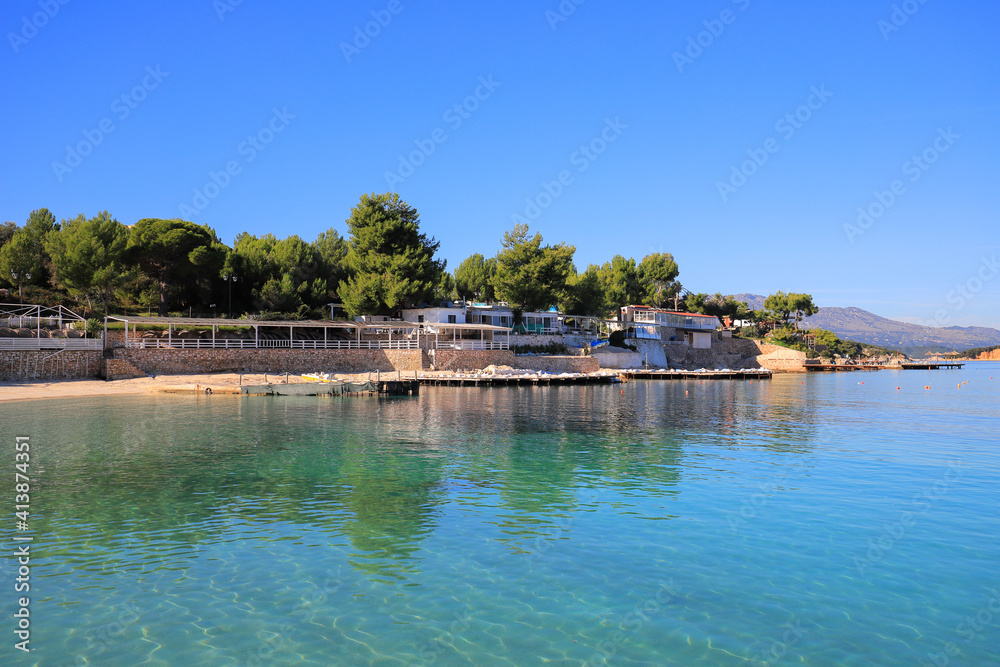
[[377, 388], [748, 374], [931, 365], [514, 380]]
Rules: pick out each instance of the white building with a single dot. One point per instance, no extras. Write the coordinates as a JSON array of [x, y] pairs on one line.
[[438, 315], [693, 328]]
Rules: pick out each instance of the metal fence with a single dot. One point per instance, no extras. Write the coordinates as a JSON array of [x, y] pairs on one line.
[[51, 344], [472, 345], [249, 344]]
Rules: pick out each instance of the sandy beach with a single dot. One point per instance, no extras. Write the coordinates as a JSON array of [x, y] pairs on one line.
[[220, 383]]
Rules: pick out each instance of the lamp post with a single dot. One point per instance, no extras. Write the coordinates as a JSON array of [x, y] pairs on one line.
[[20, 277], [230, 278]]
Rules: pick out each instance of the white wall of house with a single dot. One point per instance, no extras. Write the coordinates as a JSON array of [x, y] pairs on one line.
[[498, 316], [435, 315], [700, 340]]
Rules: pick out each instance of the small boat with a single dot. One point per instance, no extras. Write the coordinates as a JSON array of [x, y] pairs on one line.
[[318, 377]]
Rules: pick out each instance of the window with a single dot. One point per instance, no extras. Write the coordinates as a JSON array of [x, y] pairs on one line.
[[451, 319], [420, 318]]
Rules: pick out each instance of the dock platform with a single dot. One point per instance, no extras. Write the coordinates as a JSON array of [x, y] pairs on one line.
[[514, 380], [931, 365], [379, 388], [746, 374]]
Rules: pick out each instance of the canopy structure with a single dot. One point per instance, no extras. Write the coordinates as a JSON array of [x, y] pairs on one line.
[[304, 334], [463, 335], [298, 334], [42, 328]]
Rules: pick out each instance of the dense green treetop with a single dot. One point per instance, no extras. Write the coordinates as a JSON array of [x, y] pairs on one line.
[[531, 276], [657, 273], [390, 263], [88, 256], [474, 277], [175, 252]]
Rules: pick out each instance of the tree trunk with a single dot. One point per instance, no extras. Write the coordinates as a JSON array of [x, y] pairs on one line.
[[164, 297]]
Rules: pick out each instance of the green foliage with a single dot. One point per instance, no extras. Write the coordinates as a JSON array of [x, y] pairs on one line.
[[94, 328], [782, 306], [474, 278], [390, 263], [17, 257], [87, 256], [585, 294], [529, 275], [445, 289], [717, 305], [7, 230], [176, 254], [620, 282], [657, 275]]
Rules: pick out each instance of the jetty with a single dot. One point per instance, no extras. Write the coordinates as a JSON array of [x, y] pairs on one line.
[[543, 380], [931, 365], [746, 374], [376, 388]]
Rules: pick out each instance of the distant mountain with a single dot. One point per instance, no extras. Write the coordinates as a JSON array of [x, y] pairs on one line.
[[913, 339], [754, 301]]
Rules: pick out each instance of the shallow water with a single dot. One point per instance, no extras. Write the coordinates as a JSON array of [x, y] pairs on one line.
[[805, 520]]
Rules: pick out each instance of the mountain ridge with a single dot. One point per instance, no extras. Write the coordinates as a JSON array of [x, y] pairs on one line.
[[860, 325]]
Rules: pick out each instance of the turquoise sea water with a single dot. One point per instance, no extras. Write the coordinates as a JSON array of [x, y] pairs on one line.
[[806, 520]]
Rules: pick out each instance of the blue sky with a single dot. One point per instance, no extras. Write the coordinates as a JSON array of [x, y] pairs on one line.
[[743, 137]]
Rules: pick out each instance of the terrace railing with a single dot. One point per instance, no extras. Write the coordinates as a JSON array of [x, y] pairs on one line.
[[51, 344], [245, 344], [473, 345]]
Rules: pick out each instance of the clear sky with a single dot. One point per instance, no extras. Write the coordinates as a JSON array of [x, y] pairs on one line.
[[743, 137]]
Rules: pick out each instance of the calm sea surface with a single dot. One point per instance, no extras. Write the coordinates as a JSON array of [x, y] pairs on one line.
[[806, 520]]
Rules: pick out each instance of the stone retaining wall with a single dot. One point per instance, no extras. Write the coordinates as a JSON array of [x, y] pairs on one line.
[[454, 360], [617, 360], [119, 369], [49, 364], [270, 360], [557, 364]]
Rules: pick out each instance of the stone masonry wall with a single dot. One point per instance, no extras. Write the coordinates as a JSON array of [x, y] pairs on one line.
[[270, 360], [453, 360], [557, 364], [49, 364]]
